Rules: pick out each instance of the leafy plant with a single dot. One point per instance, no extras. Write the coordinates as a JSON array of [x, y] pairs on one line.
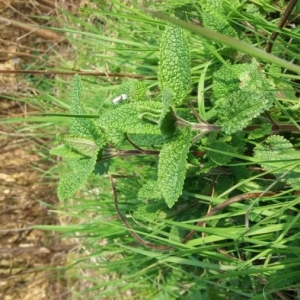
[[213, 132], [242, 92], [150, 122], [81, 147]]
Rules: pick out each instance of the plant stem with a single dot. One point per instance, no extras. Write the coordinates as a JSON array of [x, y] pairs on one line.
[[197, 126], [283, 20], [224, 204], [205, 127], [73, 72]]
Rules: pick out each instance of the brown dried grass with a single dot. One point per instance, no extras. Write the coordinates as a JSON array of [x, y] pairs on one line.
[[25, 197]]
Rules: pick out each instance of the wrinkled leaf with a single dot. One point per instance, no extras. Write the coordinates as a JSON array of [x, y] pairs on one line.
[[135, 90], [172, 166], [81, 148], [128, 118], [237, 110], [150, 190], [73, 181], [279, 157], [82, 127], [149, 212], [174, 63], [247, 95]]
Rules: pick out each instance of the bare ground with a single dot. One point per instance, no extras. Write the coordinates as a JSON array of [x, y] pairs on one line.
[[27, 255]]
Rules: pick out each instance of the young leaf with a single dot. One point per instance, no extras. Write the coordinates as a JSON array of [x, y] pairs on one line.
[[247, 96], [174, 63], [260, 132], [279, 157], [172, 165], [216, 17], [176, 234], [81, 148], [135, 90], [82, 127], [150, 190], [148, 212]]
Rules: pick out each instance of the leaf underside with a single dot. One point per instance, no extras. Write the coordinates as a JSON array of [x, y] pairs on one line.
[[84, 146], [167, 118]]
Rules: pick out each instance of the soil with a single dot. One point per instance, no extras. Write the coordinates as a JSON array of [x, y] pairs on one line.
[[27, 255]]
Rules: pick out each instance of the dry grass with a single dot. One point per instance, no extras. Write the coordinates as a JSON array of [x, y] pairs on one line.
[[24, 197]]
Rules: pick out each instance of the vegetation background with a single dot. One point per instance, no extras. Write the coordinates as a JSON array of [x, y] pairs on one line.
[[78, 248]]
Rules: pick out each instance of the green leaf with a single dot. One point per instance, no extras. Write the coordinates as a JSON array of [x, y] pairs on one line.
[[172, 165], [150, 190], [225, 82], [84, 146], [115, 137], [149, 139], [234, 43], [175, 234], [279, 157], [252, 78], [247, 96], [167, 118], [102, 167], [128, 118], [65, 151], [174, 63], [76, 95], [135, 90], [71, 182], [82, 127], [216, 19], [260, 132], [149, 212], [219, 158], [237, 110], [81, 148], [227, 79]]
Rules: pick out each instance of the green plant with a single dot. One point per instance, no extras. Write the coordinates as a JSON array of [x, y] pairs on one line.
[[242, 93], [228, 142], [135, 119]]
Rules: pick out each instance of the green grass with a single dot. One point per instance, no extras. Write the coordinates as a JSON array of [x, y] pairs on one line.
[[251, 248]]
